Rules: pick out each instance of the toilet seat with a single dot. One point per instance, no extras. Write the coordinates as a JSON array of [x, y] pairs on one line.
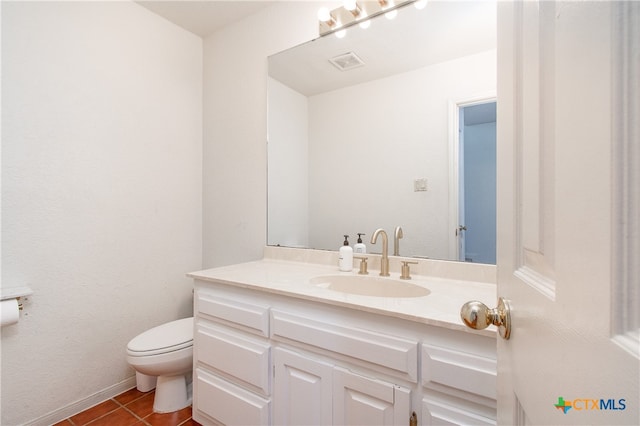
[[165, 338]]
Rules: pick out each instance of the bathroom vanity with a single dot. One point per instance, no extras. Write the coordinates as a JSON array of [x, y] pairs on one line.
[[275, 344]]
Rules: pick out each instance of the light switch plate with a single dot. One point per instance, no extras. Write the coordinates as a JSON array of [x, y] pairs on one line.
[[420, 184]]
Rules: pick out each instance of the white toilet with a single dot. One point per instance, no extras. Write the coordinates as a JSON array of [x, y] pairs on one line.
[[163, 358]]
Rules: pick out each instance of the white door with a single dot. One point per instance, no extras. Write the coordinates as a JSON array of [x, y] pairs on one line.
[[568, 218]]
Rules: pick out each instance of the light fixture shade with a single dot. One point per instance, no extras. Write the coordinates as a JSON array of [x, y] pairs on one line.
[[350, 5], [324, 15]]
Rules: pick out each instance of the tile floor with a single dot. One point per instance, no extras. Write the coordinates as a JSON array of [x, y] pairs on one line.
[[128, 409]]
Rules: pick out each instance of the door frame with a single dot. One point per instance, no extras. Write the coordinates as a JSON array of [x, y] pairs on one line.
[[454, 166]]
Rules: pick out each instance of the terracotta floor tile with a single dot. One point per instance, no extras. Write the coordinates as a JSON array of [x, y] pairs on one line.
[[169, 419], [143, 406], [127, 409], [94, 412], [120, 417], [130, 395]]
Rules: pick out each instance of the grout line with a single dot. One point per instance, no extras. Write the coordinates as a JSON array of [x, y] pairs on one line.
[[142, 419], [105, 414]]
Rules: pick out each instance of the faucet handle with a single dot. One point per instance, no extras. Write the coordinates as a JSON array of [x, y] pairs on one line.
[[406, 273], [363, 265]]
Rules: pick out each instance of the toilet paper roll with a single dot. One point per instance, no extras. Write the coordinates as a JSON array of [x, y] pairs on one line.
[[9, 312]]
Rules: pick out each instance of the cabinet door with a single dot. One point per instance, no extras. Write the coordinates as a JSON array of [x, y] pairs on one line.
[[359, 400], [302, 389]]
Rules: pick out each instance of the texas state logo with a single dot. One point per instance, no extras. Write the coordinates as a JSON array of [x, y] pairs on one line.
[[584, 404], [563, 405]]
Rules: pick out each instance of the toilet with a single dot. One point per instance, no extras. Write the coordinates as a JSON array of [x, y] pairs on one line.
[[163, 358]]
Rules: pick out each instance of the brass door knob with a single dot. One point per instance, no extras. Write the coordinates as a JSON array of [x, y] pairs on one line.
[[478, 316]]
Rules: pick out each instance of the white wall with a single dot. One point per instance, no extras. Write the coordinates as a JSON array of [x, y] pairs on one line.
[[288, 170], [367, 144], [235, 127], [101, 192]]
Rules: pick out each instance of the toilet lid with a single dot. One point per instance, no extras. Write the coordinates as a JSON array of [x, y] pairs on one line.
[[167, 337]]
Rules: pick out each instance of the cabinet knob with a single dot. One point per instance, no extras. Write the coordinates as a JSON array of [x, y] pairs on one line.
[[478, 316]]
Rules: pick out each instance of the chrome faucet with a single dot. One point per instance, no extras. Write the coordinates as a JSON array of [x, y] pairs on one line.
[[384, 262], [396, 241]]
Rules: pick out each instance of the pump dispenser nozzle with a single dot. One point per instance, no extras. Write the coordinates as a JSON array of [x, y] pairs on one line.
[[360, 247], [346, 241]]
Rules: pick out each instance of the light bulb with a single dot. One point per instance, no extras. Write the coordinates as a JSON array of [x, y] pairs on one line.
[[420, 4], [350, 5], [324, 15], [365, 24], [341, 33], [391, 14]]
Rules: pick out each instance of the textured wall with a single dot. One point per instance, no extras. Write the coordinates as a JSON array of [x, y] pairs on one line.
[[101, 192]]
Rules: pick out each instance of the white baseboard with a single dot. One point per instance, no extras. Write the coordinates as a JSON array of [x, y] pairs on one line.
[[83, 404]]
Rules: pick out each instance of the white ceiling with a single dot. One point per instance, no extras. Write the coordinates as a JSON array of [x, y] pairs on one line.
[[203, 17]]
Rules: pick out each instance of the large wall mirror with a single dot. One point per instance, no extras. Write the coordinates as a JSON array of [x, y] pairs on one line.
[[370, 131]]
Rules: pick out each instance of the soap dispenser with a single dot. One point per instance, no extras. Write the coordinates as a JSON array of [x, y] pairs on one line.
[[360, 247], [345, 259]]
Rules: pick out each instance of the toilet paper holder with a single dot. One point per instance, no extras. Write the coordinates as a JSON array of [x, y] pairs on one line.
[[12, 304], [15, 292]]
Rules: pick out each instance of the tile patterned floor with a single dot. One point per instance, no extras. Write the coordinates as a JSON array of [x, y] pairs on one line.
[[131, 408]]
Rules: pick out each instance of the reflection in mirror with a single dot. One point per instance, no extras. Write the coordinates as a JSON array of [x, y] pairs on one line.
[[374, 146]]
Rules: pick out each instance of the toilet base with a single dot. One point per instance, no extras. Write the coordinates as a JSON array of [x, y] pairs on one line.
[[173, 393], [145, 383]]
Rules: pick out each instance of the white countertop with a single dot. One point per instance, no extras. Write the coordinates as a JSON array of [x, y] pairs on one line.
[[291, 278]]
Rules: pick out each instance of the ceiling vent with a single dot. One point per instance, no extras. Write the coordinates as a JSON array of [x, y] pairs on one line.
[[347, 62]]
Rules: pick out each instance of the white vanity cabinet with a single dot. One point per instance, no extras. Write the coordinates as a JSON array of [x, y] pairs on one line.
[[325, 372], [232, 361], [264, 358], [315, 392], [458, 376]]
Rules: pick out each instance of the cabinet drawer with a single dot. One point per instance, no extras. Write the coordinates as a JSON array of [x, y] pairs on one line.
[[234, 354], [377, 348], [228, 403], [439, 413], [460, 370], [252, 316]]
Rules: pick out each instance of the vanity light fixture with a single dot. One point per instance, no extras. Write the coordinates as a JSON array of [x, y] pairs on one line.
[[353, 7], [325, 17], [356, 12]]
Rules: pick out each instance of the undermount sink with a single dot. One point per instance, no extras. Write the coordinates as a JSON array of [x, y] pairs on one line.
[[364, 285]]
